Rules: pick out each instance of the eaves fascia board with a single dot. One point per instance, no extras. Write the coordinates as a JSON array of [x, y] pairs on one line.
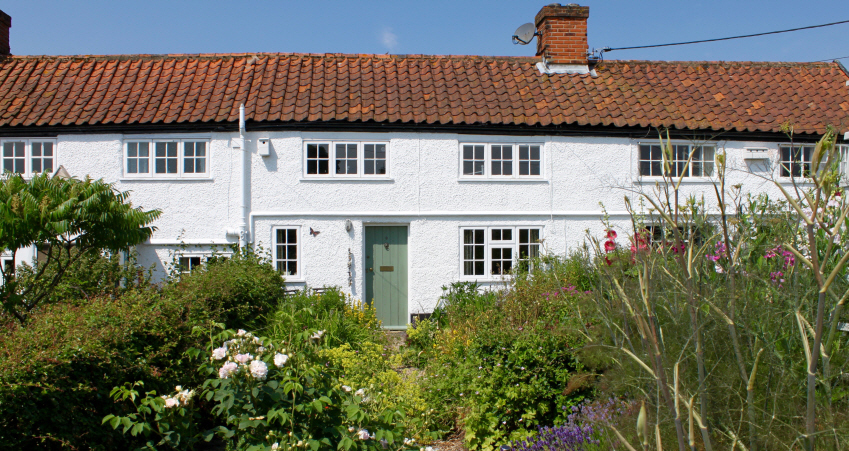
[[397, 127]]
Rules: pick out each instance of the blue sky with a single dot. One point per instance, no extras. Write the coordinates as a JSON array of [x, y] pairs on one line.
[[455, 27]]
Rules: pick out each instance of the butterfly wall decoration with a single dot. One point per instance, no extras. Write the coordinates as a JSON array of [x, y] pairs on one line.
[[314, 232]]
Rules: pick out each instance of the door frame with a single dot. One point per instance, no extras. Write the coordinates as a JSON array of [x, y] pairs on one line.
[[364, 263]]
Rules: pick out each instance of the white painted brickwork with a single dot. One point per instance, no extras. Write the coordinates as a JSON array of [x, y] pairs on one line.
[[423, 192]]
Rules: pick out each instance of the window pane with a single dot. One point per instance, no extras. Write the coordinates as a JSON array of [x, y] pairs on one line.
[[529, 160], [286, 255], [36, 149], [318, 159], [374, 159], [473, 160]]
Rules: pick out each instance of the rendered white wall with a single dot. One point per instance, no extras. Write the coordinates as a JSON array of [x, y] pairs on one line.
[[423, 193]]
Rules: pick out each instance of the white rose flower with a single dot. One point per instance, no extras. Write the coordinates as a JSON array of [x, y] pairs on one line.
[[363, 434], [171, 402], [260, 350], [275, 446], [227, 370], [259, 369], [244, 358], [178, 388], [241, 333], [361, 392], [219, 353], [280, 359], [317, 335], [346, 389]]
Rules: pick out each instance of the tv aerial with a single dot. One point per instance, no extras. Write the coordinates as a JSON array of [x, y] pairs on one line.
[[524, 34]]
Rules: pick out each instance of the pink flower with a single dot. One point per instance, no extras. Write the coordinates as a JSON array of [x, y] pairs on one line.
[[609, 246], [243, 358], [227, 370], [611, 234]]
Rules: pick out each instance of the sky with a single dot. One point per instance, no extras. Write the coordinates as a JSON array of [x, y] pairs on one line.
[[438, 27]]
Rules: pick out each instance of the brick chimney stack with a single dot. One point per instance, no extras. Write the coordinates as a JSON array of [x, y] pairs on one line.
[[5, 24], [562, 33]]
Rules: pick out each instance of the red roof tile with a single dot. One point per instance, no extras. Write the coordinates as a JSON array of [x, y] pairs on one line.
[[419, 89]]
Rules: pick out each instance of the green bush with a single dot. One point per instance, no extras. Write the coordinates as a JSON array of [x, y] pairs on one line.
[[91, 275], [503, 363], [239, 291], [56, 372], [342, 318], [271, 394]]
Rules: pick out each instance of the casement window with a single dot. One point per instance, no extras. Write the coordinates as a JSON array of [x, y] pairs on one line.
[[843, 152], [188, 263], [7, 263], [490, 252], [166, 158], [344, 159], [795, 160], [28, 156], [701, 160], [500, 161], [287, 252]]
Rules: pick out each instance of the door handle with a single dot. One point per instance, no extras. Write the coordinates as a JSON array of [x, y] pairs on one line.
[[371, 269]]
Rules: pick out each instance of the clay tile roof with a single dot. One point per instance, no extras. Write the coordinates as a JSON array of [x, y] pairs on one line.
[[418, 89]]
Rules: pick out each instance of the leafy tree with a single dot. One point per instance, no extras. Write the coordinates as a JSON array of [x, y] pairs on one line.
[[67, 219]]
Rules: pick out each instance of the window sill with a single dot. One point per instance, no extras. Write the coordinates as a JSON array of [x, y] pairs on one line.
[[166, 179], [348, 179], [504, 180], [684, 181]]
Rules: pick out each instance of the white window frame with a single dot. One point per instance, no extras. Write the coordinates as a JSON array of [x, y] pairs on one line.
[[151, 158], [28, 154], [802, 162], [843, 152], [331, 172], [488, 160], [188, 255], [299, 261], [676, 161], [490, 244]]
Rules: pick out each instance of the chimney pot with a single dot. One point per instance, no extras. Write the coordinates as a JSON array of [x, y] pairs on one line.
[[563, 33], [5, 24]]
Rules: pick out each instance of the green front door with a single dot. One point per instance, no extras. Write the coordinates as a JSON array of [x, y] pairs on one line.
[[386, 274]]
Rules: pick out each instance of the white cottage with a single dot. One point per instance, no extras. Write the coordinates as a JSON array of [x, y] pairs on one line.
[[393, 175]]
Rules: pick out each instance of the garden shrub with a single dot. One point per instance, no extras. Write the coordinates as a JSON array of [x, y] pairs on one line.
[[342, 318], [239, 291], [271, 394], [503, 363], [56, 372], [92, 275], [378, 372]]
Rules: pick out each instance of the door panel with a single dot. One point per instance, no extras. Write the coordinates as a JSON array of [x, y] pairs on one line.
[[386, 273]]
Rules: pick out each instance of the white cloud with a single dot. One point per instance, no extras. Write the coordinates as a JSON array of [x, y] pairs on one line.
[[389, 39]]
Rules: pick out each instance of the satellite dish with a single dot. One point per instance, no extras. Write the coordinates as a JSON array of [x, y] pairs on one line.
[[524, 34]]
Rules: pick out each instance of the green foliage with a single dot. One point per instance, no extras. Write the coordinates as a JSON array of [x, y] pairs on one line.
[[271, 394], [240, 291], [374, 369], [342, 318], [502, 363], [91, 275], [70, 219], [730, 337], [57, 371]]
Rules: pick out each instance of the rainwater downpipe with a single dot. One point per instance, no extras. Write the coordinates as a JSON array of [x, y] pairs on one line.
[[242, 227]]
